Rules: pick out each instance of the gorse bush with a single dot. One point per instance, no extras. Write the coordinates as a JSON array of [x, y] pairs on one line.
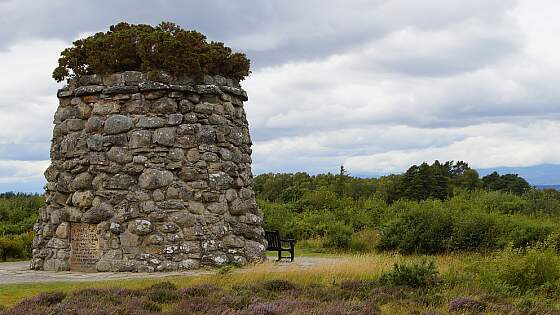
[[141, 47], [16, 247], [422, 273]]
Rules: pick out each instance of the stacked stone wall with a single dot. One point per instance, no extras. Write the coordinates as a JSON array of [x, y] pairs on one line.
[[159, 167]]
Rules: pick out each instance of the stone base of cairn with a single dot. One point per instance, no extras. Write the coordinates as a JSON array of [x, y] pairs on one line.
[[149, 175]]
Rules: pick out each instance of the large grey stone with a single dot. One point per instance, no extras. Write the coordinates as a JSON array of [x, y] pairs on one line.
[[140, 139], [119, 155], [176, 154], [220, 181], [164, 136], [94, 123], [164, 106], [95, 142], [63, 229], [141, 227], [151, 122], [82, 199], [117, 124], [82, 181], [154, 178], [98, 213]]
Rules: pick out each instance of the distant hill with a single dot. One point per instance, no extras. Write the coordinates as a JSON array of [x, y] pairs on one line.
[[557, 187], [539, 175]]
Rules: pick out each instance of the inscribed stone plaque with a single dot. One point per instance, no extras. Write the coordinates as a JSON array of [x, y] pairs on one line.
[[84, 244]]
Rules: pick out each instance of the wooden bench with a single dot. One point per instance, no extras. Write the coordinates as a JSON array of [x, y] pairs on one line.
[[275, 244]]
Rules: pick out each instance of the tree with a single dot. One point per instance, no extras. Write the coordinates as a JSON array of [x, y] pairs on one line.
[[341, 180], [426, 182], [507, 183]]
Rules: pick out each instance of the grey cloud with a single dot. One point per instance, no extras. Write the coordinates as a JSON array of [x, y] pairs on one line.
[[271, 32], [377, 84], [25, 151]]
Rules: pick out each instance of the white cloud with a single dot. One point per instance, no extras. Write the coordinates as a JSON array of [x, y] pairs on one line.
[[27, 91], [21, 171], [376, 85]]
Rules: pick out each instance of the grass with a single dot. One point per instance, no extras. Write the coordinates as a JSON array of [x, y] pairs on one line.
[[348, 267], [458, 273]]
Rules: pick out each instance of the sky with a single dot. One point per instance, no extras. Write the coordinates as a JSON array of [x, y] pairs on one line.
[[376, 85]]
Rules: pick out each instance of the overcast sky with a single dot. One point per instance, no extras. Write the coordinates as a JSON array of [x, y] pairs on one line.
[[376, 85]]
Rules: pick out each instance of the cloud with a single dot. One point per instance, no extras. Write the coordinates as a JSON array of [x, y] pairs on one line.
[[377, 85], [27, 99], [271, 32]]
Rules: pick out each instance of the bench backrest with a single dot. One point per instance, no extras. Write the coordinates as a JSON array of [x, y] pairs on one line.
[[273, 239]]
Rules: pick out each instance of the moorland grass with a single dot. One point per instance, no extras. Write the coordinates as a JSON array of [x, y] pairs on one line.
[[465, 280]]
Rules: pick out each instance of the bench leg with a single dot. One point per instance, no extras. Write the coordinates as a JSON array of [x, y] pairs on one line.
[[292, 254], [279, 255]]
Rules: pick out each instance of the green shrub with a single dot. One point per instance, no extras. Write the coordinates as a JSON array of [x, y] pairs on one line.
[[521, 271], [525, 233], [18, 212], [339, 236], [16, 247], [420, 230], [141, 47], [415, 274], [473, 231]]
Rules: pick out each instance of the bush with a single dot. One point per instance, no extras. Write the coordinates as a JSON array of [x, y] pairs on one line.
[[18, 212], [525, 233], [416, 274], [16, 247], [521, 270], [473, 231], [141, 47], [420, 230], [339, 236]]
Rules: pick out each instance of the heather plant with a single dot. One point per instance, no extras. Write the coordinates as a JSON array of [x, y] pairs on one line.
[[278, 285], [141, 47], [163, 292], [350, 297], [201, 290], [466, 304], [48, 298]]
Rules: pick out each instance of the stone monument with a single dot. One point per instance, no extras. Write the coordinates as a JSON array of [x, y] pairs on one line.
[[150, 172]]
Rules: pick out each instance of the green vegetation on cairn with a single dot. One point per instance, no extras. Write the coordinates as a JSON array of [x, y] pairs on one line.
[[140, 47]]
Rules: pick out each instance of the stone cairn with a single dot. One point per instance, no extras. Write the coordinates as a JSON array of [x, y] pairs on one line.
[[149, 174]]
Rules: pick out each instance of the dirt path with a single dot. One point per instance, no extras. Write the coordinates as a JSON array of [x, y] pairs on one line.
[[18, 272]]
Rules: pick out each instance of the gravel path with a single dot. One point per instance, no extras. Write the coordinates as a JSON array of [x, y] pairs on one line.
[[18, 272]]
